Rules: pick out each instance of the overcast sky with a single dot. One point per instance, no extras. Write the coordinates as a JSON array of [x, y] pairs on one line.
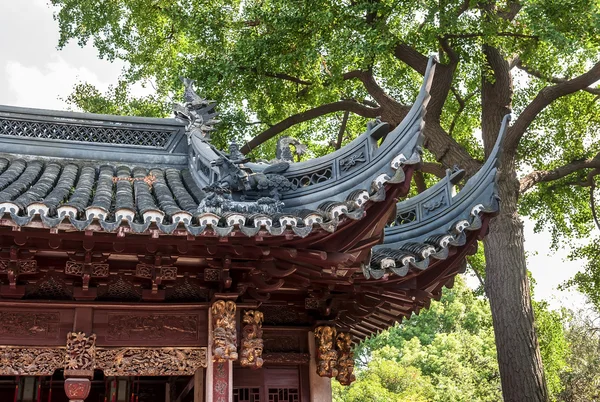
[[33, 73]]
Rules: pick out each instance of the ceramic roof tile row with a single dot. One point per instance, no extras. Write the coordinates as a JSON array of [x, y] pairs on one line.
[[139, 197]]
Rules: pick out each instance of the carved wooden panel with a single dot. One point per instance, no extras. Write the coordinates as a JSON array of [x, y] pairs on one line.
[[30, 361], [150, 361], [170, 328], [40, 327]]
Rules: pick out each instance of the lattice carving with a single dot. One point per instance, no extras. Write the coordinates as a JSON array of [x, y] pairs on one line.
[[224, 331], [24, 266], [283, 344], [188, 292], [80, 355], [121, 290], [284, 395], [246, 395], [150, 361], [327, 356], [345, 359], [212, 275], [284, 315], [286, 358], [76, 268], [180, 327], [50, 287], [167, 273], [72, 132], [310, 179], [406, 217], [252, 342], [29, 325], [30, 361]]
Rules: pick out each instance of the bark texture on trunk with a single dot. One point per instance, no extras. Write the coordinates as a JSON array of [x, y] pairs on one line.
[[507, 287]]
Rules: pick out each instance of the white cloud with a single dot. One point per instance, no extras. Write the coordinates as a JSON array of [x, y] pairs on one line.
[[41, 87]]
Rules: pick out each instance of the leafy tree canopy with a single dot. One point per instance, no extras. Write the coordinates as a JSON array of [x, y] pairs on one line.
[[448, 353], [318, 69]]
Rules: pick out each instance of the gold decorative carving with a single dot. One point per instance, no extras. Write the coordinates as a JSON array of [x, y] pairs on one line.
[[252, 342], [30, 361], [81, 354], [150, 361], [326, 354], [224, 331], [346, 359]]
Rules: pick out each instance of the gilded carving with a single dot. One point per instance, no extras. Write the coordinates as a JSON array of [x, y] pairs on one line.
[[80, 355], [327, 356], [150, 361], [30, 361], [27, 324], [252, 342], [77, 268], [181, 327], [346, 359], [224, 331]]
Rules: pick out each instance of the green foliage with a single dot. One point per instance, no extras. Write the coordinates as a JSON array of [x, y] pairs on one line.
[[554, 346], [581, 380], [448, 353]]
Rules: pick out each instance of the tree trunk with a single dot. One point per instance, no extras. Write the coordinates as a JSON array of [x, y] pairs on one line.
[[507, 287]]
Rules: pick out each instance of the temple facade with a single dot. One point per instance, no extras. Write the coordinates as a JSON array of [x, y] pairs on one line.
[[139, 263]]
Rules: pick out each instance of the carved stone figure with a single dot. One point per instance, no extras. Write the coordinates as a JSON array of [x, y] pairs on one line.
[[224, 331], [346, 359], [327, 356], [284, 152], [196, 112], [241, 179], [252, 342]]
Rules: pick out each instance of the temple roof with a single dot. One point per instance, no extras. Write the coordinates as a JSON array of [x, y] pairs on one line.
[[313, 235]]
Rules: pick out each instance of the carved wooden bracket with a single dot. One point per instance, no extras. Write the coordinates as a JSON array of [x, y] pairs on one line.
[[224, 331], [157, 269], [87, 265], [327, 356], [345, 358], [252, 342], [15, 262]]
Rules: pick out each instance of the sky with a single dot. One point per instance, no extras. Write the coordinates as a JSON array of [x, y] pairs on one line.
[[34, 73]]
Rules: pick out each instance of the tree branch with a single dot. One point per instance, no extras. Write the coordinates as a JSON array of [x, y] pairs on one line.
[[541, 176], [544, 98], [281, 76], [554, 80], [481, 34], [411, 57], [512, 9], [380, 96], [435, 169], [340, 136], [420, 181], [310, 114]]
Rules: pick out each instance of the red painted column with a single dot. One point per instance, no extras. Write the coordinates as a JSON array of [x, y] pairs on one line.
[[77, 389]]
